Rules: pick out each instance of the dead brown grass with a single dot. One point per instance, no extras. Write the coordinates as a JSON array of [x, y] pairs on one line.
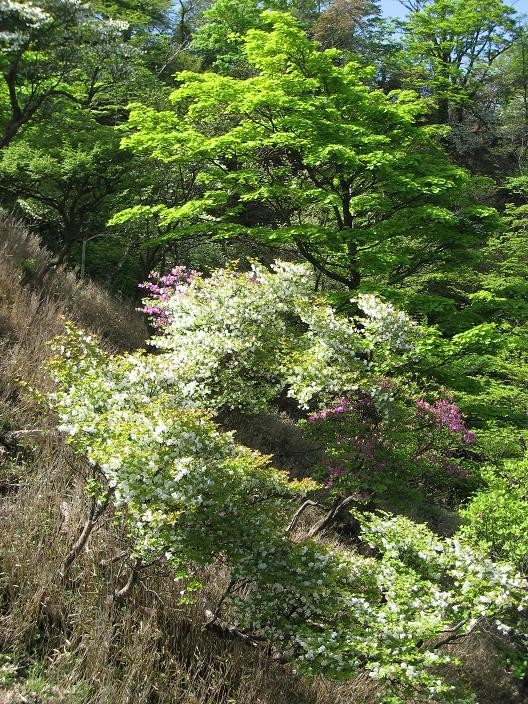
[[24, 261], [483, 671], [65, 641]]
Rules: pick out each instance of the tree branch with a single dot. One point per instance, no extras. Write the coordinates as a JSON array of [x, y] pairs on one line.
[[298, 515], [331, 515]]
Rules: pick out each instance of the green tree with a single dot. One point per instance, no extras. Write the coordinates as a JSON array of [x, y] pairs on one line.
[[346, 24], [219, 39], [497, 517], [454, 45], [56, 48], [357, 27], [66, 172], [479, 312], [304, 153]]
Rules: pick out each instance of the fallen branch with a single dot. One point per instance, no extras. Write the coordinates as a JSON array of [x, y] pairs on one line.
[[331, 515], [226, 630], [298, 514]]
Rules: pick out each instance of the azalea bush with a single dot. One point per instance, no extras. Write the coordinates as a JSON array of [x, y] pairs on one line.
[[160, 289], [190, 495], [388, 444]]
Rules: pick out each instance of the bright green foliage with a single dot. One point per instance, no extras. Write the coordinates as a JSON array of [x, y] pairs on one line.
[[67, 172], [498, 516], [190, 495], [305, 153], [220, 38], [454, 44]]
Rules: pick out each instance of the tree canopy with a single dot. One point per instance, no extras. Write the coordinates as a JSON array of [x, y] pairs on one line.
[[305, 152]]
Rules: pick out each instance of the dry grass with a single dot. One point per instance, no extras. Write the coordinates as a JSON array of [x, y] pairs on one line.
[[483, 671], [24, 261], [65, 641], [278, 436]]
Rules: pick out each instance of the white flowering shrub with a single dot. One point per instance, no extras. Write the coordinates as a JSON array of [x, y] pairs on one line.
[[383, 324], [184, 486], [340, 613], [240, 339], [190, 495]]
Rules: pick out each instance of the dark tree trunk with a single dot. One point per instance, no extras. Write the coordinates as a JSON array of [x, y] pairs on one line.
[[443, 111]]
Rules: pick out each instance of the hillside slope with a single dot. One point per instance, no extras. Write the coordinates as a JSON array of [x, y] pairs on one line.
[[68, 638]]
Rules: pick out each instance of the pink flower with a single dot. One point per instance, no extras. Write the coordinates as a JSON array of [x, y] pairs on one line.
[[341, 405], [162, 289], [449, 416], [334, 472]]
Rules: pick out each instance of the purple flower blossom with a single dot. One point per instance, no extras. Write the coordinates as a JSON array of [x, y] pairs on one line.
[[161, 289], [341, 405], [454, 469], [449, 416], [334, 472]]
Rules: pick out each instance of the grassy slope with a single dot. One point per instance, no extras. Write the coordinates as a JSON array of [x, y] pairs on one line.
[[66, 640]]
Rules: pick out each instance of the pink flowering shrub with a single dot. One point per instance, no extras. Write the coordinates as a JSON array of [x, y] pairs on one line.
[[382, 444], [160, 290], [449, 416]]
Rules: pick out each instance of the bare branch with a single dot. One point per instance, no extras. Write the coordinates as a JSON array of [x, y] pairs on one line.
[[454, 633], [331, 515], [96, 511], [298, 514], [121, 594]]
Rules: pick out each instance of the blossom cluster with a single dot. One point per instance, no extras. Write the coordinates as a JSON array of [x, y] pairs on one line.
[[340, 613], [20, 18], [25, 19], [383, 323], [160, 289], [340, 405], [449, 415], [385, 442], [243, 338]]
